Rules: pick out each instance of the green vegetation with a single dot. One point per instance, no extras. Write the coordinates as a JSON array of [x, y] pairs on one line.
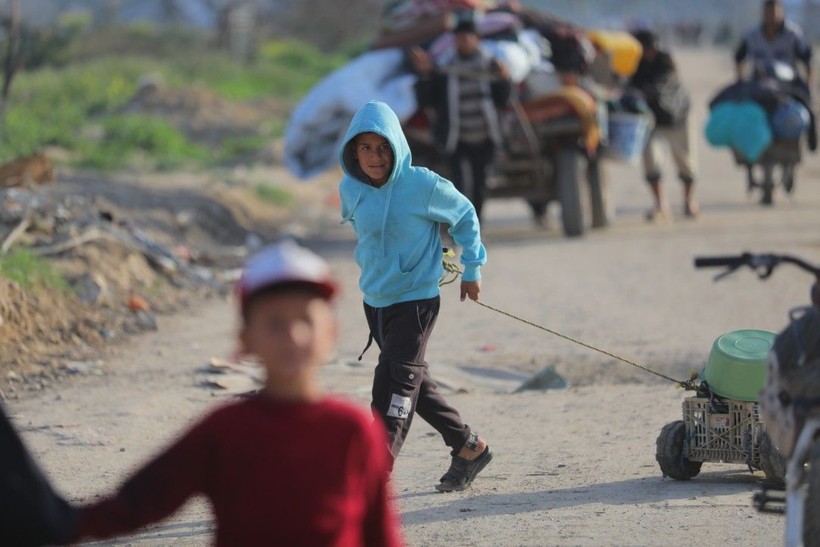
[[74, 99], [128, 136], [52, 106], [238, 147], [29, 271], [273, 195]]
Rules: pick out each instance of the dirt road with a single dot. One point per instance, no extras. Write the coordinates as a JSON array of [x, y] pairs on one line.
[[573, 466]]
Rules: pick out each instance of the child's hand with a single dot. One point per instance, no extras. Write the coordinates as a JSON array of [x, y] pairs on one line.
[[471, 289]]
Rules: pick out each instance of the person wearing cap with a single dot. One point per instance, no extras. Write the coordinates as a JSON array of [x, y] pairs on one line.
[[465, 96], [287, 465], [396, 210], [658, 81]]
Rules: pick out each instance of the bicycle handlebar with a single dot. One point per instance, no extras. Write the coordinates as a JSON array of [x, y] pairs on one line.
[[719, 261], [765, 262]]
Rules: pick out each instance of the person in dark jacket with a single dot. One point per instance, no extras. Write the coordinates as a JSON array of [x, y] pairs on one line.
[[777, 39], [31, 513], [657, 79], [465, 95]]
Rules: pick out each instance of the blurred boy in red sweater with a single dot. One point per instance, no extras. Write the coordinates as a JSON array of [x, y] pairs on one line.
[[290, 465]]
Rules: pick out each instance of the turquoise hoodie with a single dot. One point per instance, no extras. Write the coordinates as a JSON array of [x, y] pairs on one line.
[[397, 224]]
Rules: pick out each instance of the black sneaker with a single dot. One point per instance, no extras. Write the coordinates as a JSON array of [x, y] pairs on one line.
[[463, 472]]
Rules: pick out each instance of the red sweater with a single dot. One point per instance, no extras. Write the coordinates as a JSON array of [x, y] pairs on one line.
[[308, 474]]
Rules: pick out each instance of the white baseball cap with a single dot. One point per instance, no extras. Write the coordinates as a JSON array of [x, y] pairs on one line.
[[285, 263]]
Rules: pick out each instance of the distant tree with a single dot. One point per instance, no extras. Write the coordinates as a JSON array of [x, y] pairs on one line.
[[12, 61], [108, 12], [330, 23]]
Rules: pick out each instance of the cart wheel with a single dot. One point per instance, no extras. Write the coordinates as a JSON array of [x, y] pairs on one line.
[[602, 205], [669, 453], [788, 178], [772, 462], [571, 190], [768, 185], [751, 183]]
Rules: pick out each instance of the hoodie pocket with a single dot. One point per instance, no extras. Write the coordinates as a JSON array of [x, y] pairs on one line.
[[381, 276]]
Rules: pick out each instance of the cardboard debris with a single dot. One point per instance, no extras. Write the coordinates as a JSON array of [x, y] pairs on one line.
[[27, 171]]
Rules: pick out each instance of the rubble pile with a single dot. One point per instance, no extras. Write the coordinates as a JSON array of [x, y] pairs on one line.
[[121, 267]]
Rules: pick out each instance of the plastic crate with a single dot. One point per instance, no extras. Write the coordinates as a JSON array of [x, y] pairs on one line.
[[722, 430]]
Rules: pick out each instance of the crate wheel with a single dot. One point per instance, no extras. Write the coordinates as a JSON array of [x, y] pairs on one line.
[[669, 453]]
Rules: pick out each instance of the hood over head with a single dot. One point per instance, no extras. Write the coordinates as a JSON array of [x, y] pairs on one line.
[[375, 117]]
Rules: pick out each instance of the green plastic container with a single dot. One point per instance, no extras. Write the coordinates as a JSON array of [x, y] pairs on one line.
[[736, 368]]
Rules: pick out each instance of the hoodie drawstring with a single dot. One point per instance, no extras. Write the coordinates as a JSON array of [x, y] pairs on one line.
[[367, 346], [370, 337], [384, 217]]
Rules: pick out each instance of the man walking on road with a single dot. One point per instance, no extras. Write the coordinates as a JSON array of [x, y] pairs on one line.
[[465, 96], [777, 39], [780, 41], [658, 81]]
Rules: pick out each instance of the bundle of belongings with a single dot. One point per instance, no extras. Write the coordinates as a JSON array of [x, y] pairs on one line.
[[418, 21], [749, 115], [536, 48]]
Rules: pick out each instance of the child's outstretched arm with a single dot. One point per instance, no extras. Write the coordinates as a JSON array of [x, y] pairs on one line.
[[152, 493]]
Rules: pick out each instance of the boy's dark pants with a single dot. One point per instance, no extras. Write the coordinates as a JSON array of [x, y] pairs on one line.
[[402, 386]]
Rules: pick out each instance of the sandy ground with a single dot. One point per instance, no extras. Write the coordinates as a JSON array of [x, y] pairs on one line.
[[572, 467]]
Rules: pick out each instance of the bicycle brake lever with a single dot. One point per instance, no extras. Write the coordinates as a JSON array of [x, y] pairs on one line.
[[730, 270], [767, 271]]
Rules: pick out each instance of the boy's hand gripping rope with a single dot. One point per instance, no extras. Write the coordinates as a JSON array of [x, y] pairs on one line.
[[451, 273]]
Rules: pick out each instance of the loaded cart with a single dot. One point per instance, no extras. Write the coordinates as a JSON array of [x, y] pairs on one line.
[[722, 422], [763, 123], [774, 167], [550, 154]]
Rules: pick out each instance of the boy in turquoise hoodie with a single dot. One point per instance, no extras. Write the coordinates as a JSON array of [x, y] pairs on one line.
[[396, 210]]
